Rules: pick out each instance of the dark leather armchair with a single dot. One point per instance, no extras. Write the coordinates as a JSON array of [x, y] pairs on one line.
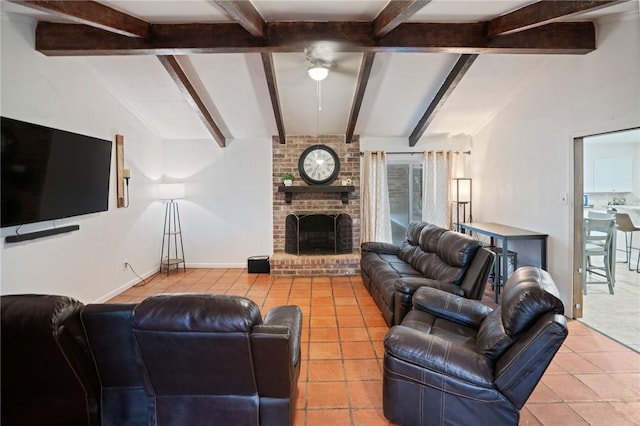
[[47, 373], [454, 361], [211, 359]]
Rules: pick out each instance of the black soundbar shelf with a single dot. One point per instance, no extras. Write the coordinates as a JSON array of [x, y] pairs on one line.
[[40, 234]]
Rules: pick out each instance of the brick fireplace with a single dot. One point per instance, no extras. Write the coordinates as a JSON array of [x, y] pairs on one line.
[[344, 257]]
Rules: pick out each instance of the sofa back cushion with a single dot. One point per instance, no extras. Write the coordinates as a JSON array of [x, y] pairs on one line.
[[193, 333], [445, 255], [430, 237], [180, 338], [411, 245], [413, 232], [457, 249]]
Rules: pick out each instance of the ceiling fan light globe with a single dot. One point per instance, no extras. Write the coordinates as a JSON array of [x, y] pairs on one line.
[[318, 73]]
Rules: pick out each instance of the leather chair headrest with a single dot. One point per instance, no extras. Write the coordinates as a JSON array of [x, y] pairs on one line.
[[32, 313], [429, 237], [196, 312], [413, 232], [528, 294], [457, 249]]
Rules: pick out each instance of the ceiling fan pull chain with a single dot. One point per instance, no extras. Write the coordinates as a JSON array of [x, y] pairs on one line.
[[318, 91]]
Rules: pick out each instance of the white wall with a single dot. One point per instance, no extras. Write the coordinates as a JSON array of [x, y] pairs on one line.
[[522, 160], [86, 264], [227, 212]]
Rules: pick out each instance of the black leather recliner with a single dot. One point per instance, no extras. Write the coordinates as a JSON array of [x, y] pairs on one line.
[[454, 361], [211, 359], [173, 359], [48, 377]]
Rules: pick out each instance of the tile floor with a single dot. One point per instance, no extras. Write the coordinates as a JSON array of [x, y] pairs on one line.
[[624, 326], [592, 380]]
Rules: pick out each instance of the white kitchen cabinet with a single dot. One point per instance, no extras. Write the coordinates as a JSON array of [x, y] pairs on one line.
[[612, 174], [588, 176]]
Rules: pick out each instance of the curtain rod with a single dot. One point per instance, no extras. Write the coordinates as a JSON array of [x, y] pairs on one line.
[[419, 152]]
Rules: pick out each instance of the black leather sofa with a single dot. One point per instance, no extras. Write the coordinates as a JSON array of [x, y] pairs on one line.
[[454, 361], [48, 377], [171, 359], [430, 256]]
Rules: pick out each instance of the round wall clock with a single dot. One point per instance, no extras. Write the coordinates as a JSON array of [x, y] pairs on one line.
[[319, 165]]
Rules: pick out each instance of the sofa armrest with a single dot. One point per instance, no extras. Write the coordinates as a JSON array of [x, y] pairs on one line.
[[377, 247], [450, 306], [406, 287], [285, 320], [276, 352], [438, 355], [410, 285], [475, 278]]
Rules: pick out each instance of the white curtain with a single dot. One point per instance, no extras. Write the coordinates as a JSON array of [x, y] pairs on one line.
[[438, 169], [374, 192]]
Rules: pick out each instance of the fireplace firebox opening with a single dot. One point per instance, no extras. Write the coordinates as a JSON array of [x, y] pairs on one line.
[[318, 234]]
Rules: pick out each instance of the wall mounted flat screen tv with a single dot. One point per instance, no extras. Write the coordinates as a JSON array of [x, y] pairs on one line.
[[51, 174]]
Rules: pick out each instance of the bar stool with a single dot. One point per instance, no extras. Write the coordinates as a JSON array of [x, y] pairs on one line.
[[512, 257], [625, 224], [599, 242]]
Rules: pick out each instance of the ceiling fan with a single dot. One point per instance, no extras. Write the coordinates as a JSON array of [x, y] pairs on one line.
[[320, 58]]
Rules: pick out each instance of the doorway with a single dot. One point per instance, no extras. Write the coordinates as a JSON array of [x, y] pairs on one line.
[[607, 177]]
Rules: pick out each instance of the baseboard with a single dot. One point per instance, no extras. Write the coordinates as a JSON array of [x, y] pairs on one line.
[[216, 265], [126, 286]]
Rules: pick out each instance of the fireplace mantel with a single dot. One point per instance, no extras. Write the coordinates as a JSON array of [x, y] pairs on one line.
[[344, 190]]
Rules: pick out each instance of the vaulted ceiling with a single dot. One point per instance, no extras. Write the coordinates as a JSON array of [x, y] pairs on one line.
[[222, 70]]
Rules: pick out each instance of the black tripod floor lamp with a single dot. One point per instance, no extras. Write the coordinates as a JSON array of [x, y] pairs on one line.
[[172, 255]]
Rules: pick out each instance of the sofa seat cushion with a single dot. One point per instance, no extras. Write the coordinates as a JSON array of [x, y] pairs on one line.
[[437, 326], [387, 264]]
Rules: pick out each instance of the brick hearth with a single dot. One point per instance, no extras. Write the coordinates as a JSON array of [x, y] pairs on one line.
[[283, 264], [285, 159]]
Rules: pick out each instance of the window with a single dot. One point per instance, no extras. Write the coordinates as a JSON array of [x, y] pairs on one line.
[[405, 195]]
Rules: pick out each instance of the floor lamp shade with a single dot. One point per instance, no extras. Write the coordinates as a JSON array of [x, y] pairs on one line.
[[461, 190], [171, 191], [461, 195]]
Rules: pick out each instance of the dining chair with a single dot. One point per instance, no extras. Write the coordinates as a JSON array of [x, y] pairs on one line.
[[599, 238], [609, 214], [626, 225]]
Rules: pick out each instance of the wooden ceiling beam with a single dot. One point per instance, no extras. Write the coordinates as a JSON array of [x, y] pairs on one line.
[[56, 39], [269, 72], [245, 14], [361, 87], [93, 14], [541, 13], [394, 14], [191, 95], [455, 75]]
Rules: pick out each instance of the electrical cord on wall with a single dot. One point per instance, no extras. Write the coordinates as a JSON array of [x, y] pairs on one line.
[[143, 281]]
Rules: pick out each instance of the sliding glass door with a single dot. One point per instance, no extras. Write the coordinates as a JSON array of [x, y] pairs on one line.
[[405, 195]]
